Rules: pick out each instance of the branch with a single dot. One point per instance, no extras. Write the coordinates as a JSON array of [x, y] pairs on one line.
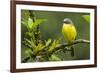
[[67, 44], [75, 42]]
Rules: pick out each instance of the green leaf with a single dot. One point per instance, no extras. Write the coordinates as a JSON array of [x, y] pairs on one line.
[[24, 17], [48, 42], [39, 47], [33, 44], [86, 17], [53, 45], [38, 22], [28, 41], [24, 22], [30, 23], [29, 52], [25, 14], [33, 25], [54, 58]]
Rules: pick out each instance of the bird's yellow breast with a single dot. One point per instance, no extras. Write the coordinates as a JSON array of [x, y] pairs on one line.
[[69, 32]]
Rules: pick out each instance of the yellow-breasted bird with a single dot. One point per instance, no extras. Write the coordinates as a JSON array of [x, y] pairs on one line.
[[69, 32]]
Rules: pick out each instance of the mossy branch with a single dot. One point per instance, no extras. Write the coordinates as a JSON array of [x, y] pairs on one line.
[[60, 46]]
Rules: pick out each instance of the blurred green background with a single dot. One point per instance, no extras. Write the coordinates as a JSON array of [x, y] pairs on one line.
[[52, 29]]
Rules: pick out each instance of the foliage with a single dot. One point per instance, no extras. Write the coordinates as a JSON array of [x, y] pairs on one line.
[[33, 41]]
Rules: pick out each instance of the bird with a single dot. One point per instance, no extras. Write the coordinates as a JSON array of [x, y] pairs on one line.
[[69, 32]]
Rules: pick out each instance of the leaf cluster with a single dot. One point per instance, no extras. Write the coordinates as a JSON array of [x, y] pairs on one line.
[[38, 49]]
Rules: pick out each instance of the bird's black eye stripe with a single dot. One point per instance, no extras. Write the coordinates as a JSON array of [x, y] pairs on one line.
[[67, 22]]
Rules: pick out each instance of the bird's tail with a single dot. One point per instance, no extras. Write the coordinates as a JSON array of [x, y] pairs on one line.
[[72, 51], [71, 48]]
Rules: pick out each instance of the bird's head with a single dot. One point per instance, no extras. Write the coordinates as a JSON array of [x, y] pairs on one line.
[[67, 21]]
